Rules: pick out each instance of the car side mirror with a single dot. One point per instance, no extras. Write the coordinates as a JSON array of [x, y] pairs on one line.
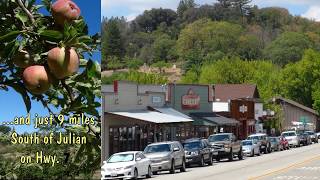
[[176, 149], [138, 159], [104, 162]]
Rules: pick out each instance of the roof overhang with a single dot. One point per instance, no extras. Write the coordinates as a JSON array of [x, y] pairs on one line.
[[152, 117]]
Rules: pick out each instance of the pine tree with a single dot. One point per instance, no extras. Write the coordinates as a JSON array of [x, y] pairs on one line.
[[111, 41], [185, 5]]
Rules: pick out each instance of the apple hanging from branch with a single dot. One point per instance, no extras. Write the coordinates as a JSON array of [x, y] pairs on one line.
[[63, 62], [65, 11], [37, 79]]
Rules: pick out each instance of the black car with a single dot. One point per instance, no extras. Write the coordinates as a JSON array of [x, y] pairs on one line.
[[197, 151]]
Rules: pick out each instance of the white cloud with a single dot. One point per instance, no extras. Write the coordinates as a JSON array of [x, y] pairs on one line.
[[136, 7], [131, 17], [131, 8], [313, 13]]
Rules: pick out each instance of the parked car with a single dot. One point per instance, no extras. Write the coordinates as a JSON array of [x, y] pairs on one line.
[[166, 156], [197, 151], [318, 135], [275, 144], [292, 137], [126, 165], [225, 145], [304, 138], [284, 142], [261, 138], [250, 148], [313, 136]]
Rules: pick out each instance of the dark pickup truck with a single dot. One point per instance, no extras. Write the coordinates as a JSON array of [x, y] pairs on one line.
[[225, 145]]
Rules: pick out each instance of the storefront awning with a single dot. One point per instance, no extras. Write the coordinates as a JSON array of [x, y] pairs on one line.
[[203, 122], [171, 111], [152, 116], [220, 120]]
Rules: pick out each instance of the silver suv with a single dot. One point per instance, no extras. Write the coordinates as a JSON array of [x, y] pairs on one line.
[[166, 156]]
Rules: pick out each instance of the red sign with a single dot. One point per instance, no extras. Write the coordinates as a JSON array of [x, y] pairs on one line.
[[191, 100]]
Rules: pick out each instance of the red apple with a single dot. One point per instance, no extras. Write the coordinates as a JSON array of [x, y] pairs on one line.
[[63, 62], [36, 79], [65, 10]]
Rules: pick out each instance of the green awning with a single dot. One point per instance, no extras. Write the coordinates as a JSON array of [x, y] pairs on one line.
[[202, 122]]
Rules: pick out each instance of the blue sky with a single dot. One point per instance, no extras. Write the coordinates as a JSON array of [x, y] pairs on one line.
[[11, 103], [131, 8]]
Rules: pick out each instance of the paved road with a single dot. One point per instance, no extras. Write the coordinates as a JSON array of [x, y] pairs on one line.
[[295, 164]]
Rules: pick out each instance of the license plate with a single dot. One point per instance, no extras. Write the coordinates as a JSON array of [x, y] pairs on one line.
[[114, 174], [188, 160], [215, 153]]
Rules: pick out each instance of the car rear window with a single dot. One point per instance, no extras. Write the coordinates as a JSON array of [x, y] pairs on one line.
[[219, 137], [192, 145], [254, 137], [246, 143], [288, 134]]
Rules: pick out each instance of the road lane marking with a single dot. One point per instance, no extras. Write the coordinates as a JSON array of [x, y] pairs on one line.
[[310, 168], [285, 169], [295, 178]]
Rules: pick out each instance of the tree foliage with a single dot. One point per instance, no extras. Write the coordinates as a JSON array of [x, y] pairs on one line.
[[301, 79], [235, 71], [151, 19], [288, 47], [134, 76]]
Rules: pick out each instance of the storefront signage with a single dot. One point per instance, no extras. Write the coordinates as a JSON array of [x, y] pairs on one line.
[[191, 100], [243, 108]]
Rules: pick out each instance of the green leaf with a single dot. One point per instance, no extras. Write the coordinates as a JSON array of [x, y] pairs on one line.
[[22, 17], [84, 39], [93, 69], [83, 62], [24, 94], [51, 35], [83, 84], [10, 36]]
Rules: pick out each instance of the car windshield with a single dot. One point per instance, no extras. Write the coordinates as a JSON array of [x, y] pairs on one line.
[[121, 158], [157, 148], [246, 143], [253, 138], [286, 134], [310, 132], [191, 145], [219, 137]]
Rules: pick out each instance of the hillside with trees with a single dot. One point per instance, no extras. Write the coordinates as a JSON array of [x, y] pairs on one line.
[[226, 41]]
